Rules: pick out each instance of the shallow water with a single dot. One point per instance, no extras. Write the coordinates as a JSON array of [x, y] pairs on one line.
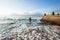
[[22, 28]]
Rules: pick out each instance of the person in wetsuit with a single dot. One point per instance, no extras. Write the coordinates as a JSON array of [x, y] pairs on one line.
[[30, 20]]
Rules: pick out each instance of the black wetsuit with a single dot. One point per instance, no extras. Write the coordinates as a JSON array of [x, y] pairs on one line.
[[30, 19]]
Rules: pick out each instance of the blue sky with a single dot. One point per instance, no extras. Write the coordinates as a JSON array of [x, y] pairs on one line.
[[28, 7]]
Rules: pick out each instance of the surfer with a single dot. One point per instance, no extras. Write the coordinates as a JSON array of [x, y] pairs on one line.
[[30, 20]]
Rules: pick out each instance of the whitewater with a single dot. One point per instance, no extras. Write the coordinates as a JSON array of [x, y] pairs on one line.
[[21, 29]]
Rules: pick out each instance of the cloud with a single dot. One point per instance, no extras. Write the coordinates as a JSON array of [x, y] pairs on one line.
[[31, 12]]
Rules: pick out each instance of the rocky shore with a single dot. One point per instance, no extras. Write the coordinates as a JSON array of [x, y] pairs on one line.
[[53, 19]]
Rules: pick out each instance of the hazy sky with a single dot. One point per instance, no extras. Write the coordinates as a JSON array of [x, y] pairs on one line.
[[24, 7]]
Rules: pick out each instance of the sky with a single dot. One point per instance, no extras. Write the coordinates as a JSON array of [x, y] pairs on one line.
[[28, 7]]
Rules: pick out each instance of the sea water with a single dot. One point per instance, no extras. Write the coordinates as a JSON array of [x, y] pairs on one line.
[[9, 27]]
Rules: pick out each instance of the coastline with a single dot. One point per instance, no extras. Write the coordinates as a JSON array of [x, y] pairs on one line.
[[34, 31]]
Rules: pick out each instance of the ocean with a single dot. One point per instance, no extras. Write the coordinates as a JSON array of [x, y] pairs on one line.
[[20, 29]]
